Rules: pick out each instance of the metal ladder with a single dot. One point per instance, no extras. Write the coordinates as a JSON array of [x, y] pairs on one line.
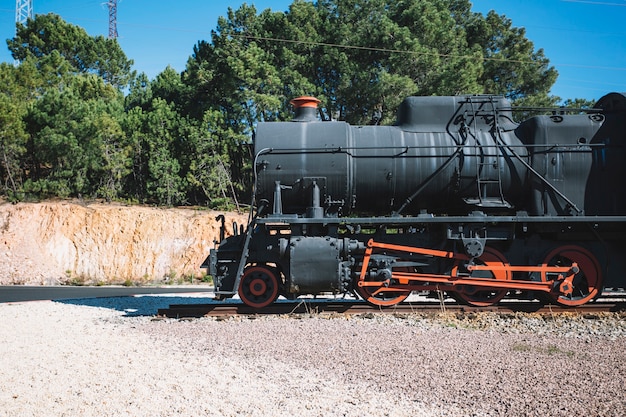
[[481, 151]]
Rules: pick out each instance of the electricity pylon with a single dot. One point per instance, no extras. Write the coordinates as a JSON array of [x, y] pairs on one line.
[[23, 11], [112, 18]]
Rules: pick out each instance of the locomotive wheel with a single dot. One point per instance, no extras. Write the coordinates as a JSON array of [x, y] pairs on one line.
[[259, 286], [478, 297], [587, 282], [387, 298], [383, 298]]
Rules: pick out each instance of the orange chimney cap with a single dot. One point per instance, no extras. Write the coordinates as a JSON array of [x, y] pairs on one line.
[[305, 101]]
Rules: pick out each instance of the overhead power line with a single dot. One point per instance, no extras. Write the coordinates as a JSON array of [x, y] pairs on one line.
[[402, 51], [596, 3]]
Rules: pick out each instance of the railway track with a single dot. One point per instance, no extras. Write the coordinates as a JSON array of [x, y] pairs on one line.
[[312, 306]]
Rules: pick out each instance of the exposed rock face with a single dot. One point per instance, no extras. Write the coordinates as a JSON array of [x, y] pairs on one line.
[[58, 242]]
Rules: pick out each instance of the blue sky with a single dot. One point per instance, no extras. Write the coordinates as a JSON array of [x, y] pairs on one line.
[[584, 39]]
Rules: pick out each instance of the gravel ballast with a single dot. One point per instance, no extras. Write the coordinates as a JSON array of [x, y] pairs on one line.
[[111, 357]]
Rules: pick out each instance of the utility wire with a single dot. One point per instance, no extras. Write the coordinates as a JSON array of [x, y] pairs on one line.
[[596, 3], [402, 51], [390, 50]]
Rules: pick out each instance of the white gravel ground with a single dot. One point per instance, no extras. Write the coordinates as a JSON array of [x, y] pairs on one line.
[[110, 357]]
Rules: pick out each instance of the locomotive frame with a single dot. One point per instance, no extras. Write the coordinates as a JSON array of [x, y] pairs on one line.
[[560, 239]]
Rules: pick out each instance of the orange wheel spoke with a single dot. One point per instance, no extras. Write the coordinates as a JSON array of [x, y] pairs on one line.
[[481, 297], [382, 295], [587, 282]]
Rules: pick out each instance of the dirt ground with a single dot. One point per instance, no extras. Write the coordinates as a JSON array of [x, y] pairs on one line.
[[67, 242]]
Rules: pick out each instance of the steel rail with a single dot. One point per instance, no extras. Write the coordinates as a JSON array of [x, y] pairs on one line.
[[308, 307]]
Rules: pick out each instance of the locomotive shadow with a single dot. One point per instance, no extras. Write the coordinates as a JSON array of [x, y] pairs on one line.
[[139, 305], [198, 306]]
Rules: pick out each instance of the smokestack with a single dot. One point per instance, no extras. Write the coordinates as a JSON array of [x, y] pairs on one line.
[[305, 108]]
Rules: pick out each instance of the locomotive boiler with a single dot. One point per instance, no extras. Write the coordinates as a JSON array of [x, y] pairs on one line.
[[455, 198]]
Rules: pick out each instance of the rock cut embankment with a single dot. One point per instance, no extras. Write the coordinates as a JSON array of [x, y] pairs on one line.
[[60, 242]]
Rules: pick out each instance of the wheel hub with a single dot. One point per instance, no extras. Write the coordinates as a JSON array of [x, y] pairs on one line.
[[258, 287]]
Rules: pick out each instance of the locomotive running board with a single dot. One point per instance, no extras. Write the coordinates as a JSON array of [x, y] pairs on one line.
[[410, 281]]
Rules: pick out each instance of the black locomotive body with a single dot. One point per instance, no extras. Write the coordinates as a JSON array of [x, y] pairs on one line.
[[455, 198]]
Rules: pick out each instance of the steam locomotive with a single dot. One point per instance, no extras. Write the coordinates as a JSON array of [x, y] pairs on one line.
[[456, 199]]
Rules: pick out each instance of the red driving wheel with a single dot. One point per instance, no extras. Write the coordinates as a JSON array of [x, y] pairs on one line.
[[587, 283], [259, 286], [483, 297]]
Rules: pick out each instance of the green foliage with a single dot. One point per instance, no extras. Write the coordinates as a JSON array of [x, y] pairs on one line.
[[48, 35], [579, 103], [67, 130], [76, 144], [360, 57], [12, 134], [164, 184]]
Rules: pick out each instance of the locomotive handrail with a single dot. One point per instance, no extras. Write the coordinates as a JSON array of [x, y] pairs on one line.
[[256, 178], [428, 180], [251, 222], [537, 174], [555, 109], [480, 180], [347, 149]]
